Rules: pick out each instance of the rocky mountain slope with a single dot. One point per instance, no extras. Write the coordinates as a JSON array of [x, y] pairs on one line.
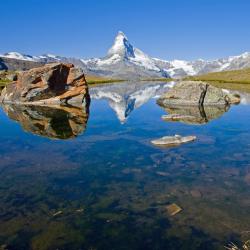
[[124, 61]]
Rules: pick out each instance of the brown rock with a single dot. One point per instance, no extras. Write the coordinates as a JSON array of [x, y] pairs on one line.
[[196, 193], [55, 83], [173, 209]]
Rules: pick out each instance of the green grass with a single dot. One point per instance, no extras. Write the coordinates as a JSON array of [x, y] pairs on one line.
[[4, 82], [233, 79], [3, 78], [94, 80], [158, 80]]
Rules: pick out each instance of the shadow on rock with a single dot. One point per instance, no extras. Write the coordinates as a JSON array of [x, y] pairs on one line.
[[55, 122], [194, 115]]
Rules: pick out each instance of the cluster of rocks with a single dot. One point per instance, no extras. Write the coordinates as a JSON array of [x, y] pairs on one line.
[[193, 102], [55, 83]]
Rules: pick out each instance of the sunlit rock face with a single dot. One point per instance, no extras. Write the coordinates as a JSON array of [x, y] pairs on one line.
[[55, 83], [197, 93], [55, 122]]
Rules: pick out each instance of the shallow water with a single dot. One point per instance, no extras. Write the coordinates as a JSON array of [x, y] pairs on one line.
[[73, 180]]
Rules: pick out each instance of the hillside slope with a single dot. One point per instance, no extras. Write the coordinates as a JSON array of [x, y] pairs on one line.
[[233, 79]]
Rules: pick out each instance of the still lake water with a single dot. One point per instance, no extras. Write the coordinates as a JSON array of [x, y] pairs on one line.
[[73, 180]]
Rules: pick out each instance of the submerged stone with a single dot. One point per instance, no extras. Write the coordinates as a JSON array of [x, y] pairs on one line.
[[196, 193], [173, 209]]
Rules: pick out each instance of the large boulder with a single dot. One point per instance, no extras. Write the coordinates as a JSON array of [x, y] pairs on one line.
[[196, 93], [54, 83]]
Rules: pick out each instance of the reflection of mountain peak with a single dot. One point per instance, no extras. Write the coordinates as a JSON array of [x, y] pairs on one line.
[[123, 98]]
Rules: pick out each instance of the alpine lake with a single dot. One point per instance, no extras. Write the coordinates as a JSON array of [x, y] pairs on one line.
[[74, 179]]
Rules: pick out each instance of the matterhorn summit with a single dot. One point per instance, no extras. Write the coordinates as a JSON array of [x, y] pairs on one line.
[[121, 46], [123, 60]]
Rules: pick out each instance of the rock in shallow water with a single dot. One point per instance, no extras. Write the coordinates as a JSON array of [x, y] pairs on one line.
[[196, 93], [173, 140], [55, 83], [173, 209]]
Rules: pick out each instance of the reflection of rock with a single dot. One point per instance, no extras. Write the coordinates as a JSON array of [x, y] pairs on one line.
[[196, 93], [55, 83], [59, 122], [125, 97], [173, 140], [194, 114]]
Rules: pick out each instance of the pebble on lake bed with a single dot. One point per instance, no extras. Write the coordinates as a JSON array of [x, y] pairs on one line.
[[57, 213], [173, 140], [173, 209], [196, 193]]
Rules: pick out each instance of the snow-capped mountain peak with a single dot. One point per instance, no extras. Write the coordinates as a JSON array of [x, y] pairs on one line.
[[121, 46], [19, 56], [124, 61]]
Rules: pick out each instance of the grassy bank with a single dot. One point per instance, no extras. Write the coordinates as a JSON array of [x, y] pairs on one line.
[[233, 79], [95, 80], [3, 83], [157, 80], [92, 80]]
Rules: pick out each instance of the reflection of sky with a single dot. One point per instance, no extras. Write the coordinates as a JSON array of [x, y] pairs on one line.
[[111, 160]]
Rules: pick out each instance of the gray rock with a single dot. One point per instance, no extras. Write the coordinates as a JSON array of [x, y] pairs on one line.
[[196, 93], [173, 140]]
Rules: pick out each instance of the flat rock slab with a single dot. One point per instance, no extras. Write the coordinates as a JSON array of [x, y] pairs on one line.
[[173, 209], [173, 140]]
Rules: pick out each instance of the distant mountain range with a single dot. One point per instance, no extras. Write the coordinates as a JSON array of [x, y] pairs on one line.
[[124, 61]]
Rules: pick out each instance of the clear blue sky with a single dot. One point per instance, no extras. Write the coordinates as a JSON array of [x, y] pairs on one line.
[[184, 29]]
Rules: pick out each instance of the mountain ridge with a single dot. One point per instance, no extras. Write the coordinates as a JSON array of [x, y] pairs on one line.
[[125, 61]]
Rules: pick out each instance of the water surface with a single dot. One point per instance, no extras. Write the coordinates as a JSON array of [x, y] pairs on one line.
[[91, 179]]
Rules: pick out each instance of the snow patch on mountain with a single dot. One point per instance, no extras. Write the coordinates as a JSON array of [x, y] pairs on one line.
[[19, 56]]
